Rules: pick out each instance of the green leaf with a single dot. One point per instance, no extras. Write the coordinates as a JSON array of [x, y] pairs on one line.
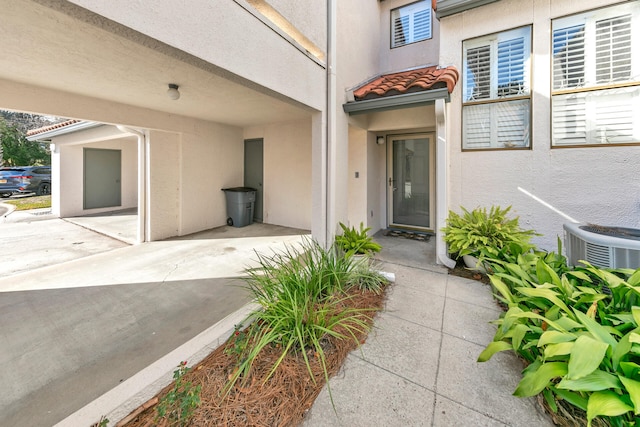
[[519, 331], [579, 275], [633, 388], [605, 403], [597, 330], [555, 337], [534, 381], [547, 294], [620, 351], [502, 288], [586, 356], [493, 348], [546, 274], [574, 398], [634, 280], [595, 381], [630, 369], [635, 311], [559, 349]]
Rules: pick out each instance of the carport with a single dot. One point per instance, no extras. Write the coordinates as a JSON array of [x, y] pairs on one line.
[[66, 60]]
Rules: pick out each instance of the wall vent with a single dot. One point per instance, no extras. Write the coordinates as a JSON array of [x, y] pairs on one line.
[[605, 247]]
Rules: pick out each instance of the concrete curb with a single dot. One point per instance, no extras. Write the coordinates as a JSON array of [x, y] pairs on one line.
[[120, 401], [10, 208]]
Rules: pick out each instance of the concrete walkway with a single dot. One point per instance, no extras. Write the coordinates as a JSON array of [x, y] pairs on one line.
[[418, 367], [100, 335], [73, 330]]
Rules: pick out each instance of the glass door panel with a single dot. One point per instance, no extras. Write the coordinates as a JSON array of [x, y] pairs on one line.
[[410, 181]]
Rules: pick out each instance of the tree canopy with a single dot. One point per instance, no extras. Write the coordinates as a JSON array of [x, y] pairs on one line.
[[16, 150]]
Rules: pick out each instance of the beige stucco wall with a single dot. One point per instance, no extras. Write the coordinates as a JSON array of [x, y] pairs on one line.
[[595, 184], [411, 55], [68, 187], [217, 33], [287, 159], [308, 17]]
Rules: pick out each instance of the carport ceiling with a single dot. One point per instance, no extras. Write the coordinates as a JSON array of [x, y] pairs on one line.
[[50, 49]]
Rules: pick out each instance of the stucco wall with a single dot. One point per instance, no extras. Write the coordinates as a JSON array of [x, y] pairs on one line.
[[411, 55], [595, 184], [309, 17], [287, 172], [211, 158], [69, 190], [217, 33], [164, 167], [358, 185]]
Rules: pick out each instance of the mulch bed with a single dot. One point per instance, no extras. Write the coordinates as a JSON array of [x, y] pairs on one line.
[[282, 400]]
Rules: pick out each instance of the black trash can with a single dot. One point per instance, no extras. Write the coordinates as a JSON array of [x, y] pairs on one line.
[[240, 205]]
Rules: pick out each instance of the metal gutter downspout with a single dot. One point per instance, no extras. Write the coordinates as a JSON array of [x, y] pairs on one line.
[[331, 148], [442, 184], [142, 174]]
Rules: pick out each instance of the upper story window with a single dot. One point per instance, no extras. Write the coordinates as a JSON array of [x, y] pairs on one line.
[[596, 77], [411, 23], [496, 107]]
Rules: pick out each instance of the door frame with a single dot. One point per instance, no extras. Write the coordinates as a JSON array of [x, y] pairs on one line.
[[258, 213], [430, 135]]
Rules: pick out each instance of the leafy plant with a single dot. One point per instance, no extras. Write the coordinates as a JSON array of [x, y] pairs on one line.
[[303, 298], [179, 404], [579, 330], [479, 231], [354, 241]]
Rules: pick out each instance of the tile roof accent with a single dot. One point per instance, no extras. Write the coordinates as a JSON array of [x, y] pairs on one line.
[[417, 80], [52, 127]]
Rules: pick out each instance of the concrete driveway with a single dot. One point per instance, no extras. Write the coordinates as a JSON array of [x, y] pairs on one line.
[[102, 310]]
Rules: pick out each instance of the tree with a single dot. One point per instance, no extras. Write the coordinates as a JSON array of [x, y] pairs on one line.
[[16, 150]]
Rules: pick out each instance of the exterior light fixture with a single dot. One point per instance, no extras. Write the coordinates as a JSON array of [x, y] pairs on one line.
[[380, 140], [173, 92]]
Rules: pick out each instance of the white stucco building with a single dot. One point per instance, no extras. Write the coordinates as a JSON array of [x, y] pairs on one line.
[[384, 112]]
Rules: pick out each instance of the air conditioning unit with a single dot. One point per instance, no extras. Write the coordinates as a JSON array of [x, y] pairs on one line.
[[602, 246]]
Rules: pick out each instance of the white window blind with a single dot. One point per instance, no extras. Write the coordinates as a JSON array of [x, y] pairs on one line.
[[497, 68], [596, 77], [410, 24]]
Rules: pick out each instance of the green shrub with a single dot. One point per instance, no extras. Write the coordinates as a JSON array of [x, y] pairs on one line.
[[579, 330], [354, 241], [479, 231], [303, 298]]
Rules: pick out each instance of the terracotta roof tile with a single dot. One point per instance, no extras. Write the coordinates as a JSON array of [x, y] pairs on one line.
[[52, 127], [416, 80]]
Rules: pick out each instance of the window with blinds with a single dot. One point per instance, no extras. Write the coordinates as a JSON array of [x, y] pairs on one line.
[[496, 90], [411, 23], [596, 77]]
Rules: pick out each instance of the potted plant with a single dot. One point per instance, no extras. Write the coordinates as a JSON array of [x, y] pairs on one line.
[[356, 242], [481, 232]]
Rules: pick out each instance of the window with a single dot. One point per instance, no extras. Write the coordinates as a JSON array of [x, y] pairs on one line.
[[410, 24], [596, 77], [496, 91]]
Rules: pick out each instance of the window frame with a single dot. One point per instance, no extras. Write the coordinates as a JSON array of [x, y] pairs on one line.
[[495, 99], [593, 89], [413, 5]]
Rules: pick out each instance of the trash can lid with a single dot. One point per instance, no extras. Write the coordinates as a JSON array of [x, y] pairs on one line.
[[240, 189]]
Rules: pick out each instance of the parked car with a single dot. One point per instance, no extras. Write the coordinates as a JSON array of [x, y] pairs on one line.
[[25, 179]]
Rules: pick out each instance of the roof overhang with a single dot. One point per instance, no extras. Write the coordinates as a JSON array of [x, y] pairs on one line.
[[74, 127], [408, 100], [451, 7]]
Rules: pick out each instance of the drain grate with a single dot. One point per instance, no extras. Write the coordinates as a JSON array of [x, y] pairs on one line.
[[41, 213]]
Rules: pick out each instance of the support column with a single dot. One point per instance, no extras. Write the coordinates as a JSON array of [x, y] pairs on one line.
[[442, 184]]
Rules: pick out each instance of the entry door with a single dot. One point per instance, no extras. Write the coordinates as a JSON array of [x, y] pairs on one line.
[[101, 178], [253, 165], [411, 181]]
